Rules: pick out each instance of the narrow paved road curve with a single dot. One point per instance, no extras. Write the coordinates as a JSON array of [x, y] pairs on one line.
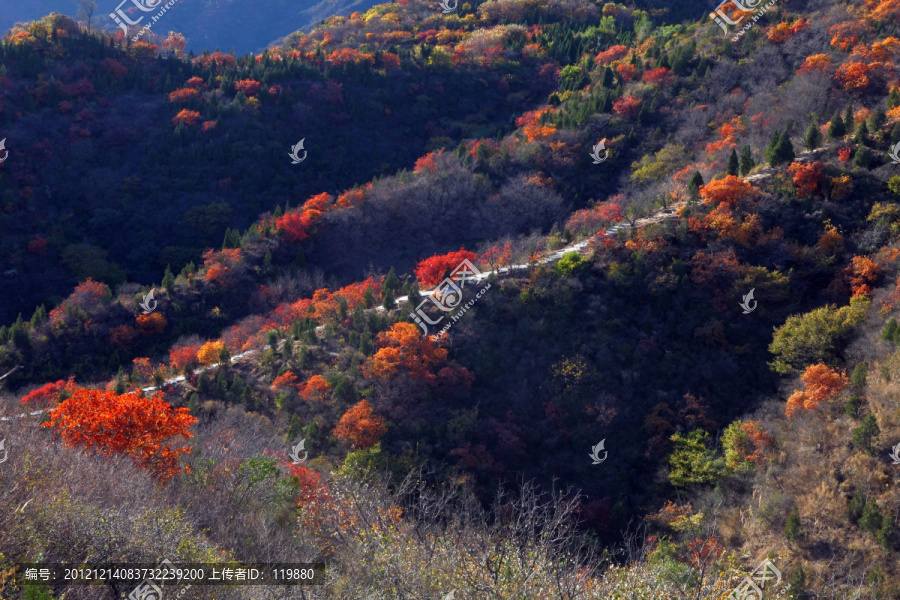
[[552, 257]]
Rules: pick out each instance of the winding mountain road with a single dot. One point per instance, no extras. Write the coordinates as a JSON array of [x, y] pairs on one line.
[[551, 257]]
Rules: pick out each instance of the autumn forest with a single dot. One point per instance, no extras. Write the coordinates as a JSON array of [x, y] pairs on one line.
[[233, 328]]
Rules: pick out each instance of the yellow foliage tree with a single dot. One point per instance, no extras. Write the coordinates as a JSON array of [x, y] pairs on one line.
[[209, 352]]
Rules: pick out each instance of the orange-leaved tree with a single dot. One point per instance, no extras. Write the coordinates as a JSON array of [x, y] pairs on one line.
[[433, 270], [611, 54], [130, 424], [287, 380], [729, 190], [184, 95], [402, 349], [315, 389], [862, 273], [360, 426], [219, 265], [182, 356], [854, 76], [746, 443], [152, 324], [186, 117], [822, 384], [531, 125], [249, 87], [816, 63], [807, 177]]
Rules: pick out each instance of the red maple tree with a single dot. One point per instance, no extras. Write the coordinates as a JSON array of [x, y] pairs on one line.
[[250, 87], [130, 424], [50, 393], [294, 225], [626, 106], [434, 269]]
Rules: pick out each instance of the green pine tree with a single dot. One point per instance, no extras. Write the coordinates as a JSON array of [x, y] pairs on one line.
[[609, 78], [784, 151], [221, 387], [871, 519], [848, 117], [769, 152], [862, 133], [694, 185], [813, 137], [887, 536], [864, 435], [862, 157], [732, 167], [861, 372], [388, 299], [793, 530], [644, 114], [19, 335], [797, 586], [746, 161], [272, 338], [168, 281], [391, 281], [39, 316], [294, 428], [877, 120], [414, 298], [607, 103], [837, 130], [894, 98], [368, 298]]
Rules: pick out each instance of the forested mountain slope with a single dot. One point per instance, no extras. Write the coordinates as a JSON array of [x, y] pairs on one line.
[[769, 162]]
